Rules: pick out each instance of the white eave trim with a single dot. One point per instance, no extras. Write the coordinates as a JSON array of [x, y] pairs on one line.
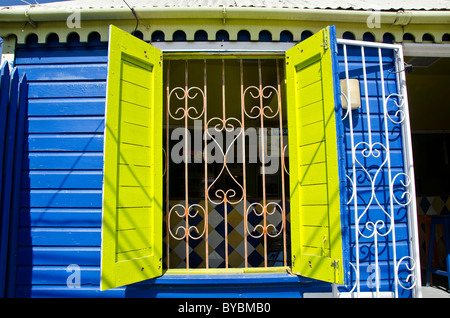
[[426, 49], [40, 13]]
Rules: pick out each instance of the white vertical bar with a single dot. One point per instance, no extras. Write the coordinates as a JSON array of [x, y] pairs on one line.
[[409, 170], [363, 57], [388, 157], [354, 194]]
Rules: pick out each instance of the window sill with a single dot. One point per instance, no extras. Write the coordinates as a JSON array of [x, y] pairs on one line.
[[226, 277], [226, 285]]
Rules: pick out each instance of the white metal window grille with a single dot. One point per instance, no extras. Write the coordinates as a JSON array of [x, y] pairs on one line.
[[225, 181], [384, 260]]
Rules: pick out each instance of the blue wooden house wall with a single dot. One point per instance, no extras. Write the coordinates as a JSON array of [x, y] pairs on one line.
[[61, 197]]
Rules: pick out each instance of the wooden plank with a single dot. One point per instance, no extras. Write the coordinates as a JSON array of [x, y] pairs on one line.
[[317, 237], [67, 107], [135, 155], [313, 174], [4, 99], [67, 89], [135, 71], [311, 113], [65, 72], [57, 275], [311, 133], [134, 176], [313, 195], [66, 125], [131, 218], [135, 197], [8, 176], [60, 217], [318, 216], [61, 56], [309, 94], [134, 113], [135, 94], [129, 255], [62, 198], [60, 237], [54, 142], [134, 240], [62, 179], [136, 134], [310, 74], [16, 185], [58, 255], [311, 153], [63, 160]]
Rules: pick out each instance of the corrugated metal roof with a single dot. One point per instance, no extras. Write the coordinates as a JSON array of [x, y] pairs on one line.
[[279, 4]]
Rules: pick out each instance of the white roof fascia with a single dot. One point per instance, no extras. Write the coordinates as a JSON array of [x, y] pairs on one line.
[[41, 13]]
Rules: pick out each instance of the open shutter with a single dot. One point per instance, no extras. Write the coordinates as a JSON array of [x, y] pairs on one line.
[[132, 181], [313, 158]]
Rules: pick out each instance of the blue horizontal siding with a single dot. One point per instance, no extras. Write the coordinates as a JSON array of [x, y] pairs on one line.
[[59, 236], [63, 179], [62, 198], [56, 275], [73, 160], [60, 215], [58, 255], [46, 125], [55, 217], [67, 72], [93, 106], [66, 89], [63, 142]]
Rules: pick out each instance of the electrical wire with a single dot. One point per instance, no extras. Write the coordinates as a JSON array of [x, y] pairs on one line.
[[135, 15]]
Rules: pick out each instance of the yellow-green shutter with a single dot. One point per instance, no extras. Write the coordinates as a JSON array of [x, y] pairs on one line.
[[313, 159], [132, 181]]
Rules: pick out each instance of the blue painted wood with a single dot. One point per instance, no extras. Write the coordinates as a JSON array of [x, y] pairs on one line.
[[58, 255], [67, 107], [63, 179], [63, 161], [62, 198], [227, 286], [16, 186], [26, 56], [70, 217], [49, 236], [67, 89], [65, 72], [8, 175], [47, 125], [62, 142], [57, 275], [4, 101]]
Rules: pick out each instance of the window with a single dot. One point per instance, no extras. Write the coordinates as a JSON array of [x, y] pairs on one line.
[[226, 186], [133, 199]]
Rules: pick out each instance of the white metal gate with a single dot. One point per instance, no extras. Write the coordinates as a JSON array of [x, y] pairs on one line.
[[372, 161]]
